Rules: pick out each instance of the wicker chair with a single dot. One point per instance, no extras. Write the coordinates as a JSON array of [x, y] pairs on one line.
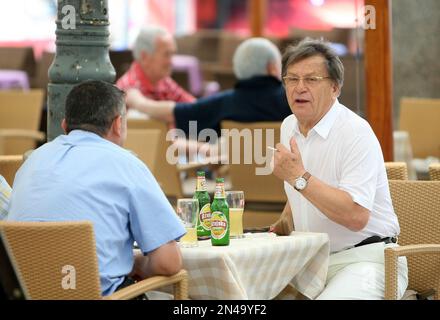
[[9, 166], [434, 171], [20, 114], [396, 170], [45, 253], [145, 144], [417, 205]]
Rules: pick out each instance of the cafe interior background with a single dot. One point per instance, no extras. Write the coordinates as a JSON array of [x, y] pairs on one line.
[[210, 30]]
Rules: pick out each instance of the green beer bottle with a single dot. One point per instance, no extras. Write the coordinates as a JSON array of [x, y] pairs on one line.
[[220, 216], [204, 216]]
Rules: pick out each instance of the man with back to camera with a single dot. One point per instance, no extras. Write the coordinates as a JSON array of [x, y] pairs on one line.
[[87, 175], [334, 176]]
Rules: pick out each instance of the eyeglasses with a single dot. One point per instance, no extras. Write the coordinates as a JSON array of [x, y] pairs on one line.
[[309, 81]]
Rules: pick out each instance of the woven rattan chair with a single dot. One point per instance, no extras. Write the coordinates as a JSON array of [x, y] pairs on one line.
[[417, 205], [47, 255], [434, 171], [396, 170], [144, 143], [20, 114], [9, 166]]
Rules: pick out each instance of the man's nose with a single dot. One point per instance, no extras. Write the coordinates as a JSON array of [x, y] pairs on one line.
[[301, 87]]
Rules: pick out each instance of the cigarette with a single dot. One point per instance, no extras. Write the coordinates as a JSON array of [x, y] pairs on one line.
[[273, 149]]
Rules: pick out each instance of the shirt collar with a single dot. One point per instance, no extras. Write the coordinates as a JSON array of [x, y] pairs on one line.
[[324, 125]]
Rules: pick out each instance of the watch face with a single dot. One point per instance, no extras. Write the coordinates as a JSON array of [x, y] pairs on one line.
[[300, 183]]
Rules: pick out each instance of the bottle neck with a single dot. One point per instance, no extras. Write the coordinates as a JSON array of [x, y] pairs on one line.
[[220, 190], [201, 184]]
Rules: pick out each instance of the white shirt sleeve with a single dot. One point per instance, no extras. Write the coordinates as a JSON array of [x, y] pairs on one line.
[[359, 168]]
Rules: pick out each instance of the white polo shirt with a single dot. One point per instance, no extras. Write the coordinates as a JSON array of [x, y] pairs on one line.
[[342, 151]]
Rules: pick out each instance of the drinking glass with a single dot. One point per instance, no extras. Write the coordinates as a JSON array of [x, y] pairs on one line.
[[235, 201], [187, 210]]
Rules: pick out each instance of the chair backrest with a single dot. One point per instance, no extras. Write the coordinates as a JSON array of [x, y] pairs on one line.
[[18, 58], [258, 188], [54, 260], [420, 118], [434, 171], [144, 143], [396, 170], [166, 174], [9, 166], [417, 205], [20, 110]]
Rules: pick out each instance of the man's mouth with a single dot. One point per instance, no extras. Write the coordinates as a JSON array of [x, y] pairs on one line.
[[301, 101]]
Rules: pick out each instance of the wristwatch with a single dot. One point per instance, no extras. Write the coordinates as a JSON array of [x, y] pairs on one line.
[[301, 182]]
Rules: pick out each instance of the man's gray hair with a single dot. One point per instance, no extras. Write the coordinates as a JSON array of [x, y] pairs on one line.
[[146, 40], [313, 47], [252, 57]]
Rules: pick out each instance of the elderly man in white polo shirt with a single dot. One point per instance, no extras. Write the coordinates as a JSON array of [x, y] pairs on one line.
[[334, 175]]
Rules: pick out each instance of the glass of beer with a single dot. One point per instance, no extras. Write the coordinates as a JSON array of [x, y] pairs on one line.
[[235, 201], [187, 210]]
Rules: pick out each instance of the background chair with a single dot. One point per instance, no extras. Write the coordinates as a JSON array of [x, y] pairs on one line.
[[264, 194], [144, 143], [166, 174], [396, 170], [9, 166], [43, 251], [20, 113], [420, 118], [434, 171], [18, 58], [417, 205]]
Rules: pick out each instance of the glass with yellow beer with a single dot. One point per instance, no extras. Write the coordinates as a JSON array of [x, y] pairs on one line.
[[188, 210], [235, 201]]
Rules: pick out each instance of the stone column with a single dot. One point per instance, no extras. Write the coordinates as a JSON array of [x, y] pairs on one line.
[[82, 53]]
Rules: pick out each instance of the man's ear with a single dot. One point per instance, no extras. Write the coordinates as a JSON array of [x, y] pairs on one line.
[[336, 90], [64, 125], [117, 126], [144, 58]]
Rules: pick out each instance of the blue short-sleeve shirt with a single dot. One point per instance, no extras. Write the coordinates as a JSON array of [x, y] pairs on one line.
[[81, 176]]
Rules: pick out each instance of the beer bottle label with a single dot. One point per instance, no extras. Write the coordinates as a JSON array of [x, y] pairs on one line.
[[219, 191], [219, 225], [205, 217], [201, 184]]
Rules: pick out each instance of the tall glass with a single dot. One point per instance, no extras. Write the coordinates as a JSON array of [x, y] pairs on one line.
[[235, 200], [188, 210]]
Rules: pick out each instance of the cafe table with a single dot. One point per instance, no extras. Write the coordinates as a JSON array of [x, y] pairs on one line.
[[258, 266]]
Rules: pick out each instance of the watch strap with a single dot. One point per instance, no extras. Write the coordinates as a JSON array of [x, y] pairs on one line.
[[306, 176]]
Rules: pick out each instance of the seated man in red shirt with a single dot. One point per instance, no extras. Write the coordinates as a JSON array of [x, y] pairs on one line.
[[151, 70]]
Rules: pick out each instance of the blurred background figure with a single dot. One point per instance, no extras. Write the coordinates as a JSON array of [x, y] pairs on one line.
[[150, 72], [257, 96]]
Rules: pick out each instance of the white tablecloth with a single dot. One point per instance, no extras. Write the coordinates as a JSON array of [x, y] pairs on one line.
[[258, 267]]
